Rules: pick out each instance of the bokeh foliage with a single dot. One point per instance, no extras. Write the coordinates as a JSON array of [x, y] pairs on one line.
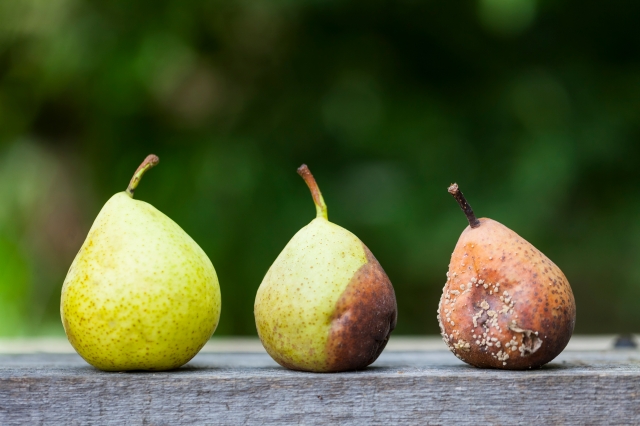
[[532, 106]]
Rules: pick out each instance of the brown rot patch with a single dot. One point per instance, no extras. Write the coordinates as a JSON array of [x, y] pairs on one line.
[[365, 316], [530, 340]]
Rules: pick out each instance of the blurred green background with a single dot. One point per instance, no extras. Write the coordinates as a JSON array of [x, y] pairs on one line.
[[532, 106]]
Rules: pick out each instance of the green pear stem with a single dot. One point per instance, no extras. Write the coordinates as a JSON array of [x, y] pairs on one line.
[[321, 207], [148, 163], [464, 205]]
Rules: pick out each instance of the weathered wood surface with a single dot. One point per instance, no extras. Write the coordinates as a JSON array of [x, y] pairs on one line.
[[402, 387], [253, 345]]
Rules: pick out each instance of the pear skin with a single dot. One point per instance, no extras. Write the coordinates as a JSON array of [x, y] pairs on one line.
[[505, 304], [140, 294], [326, 304]]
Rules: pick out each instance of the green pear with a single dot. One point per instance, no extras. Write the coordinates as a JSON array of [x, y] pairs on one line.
[[326, 304], [140, 294]]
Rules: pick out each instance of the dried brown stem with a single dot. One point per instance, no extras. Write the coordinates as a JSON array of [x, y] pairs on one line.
[[464, 205]]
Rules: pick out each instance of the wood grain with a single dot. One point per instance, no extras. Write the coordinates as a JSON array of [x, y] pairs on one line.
[[412, 387]]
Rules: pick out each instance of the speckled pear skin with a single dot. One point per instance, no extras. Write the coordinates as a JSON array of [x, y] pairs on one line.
[[505, 304], [140, 294], [325, 305]]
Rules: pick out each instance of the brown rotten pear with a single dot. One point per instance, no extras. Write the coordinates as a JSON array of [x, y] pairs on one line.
[[505, 304]]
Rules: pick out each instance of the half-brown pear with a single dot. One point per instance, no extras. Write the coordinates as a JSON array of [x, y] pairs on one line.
[[326, 304]]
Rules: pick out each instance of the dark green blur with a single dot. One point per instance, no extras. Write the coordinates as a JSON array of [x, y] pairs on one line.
[[532, 106]]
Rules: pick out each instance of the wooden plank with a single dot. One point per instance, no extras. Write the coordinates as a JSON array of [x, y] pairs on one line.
[[253, 345], [402, 387]]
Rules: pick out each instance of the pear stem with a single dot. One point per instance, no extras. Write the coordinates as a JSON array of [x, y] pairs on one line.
[[321, 207], [464, 205], [148, 163]]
